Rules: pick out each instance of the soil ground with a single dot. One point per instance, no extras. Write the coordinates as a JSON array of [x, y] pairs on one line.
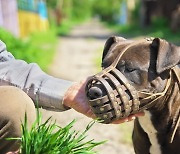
[[75, 60]]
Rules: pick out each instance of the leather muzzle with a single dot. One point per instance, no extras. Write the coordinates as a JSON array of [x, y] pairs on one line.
[[121, 98]]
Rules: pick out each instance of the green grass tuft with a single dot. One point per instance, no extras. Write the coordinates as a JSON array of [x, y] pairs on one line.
[[48, 138]]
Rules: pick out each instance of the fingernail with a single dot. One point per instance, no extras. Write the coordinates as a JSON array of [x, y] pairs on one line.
[[133, 118], [126, 120]]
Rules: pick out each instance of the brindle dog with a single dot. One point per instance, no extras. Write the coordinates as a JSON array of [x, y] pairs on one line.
[[147, 67]]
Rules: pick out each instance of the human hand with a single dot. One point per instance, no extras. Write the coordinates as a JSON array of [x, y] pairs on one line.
[[75, 98], [13, 152]]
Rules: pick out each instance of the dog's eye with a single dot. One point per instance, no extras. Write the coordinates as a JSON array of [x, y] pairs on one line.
[[130, 69]]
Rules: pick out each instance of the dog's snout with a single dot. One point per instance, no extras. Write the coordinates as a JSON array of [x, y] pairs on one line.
[[95, 92]]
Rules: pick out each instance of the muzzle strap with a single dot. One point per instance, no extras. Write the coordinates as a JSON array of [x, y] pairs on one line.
[[176, 72], [112, 97], [131, 89], [122, 96]]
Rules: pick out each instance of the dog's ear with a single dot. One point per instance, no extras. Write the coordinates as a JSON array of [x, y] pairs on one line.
[[111, 41], [168, 54]]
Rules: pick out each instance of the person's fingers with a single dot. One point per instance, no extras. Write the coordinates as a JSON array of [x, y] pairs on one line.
[[130, 118], [120, 121], [13, 152], [90, 114]]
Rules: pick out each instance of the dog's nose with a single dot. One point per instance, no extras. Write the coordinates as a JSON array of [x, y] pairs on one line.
[[95, 92]]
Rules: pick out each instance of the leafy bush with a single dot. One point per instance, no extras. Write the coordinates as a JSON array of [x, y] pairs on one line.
[[107, 10], [39, 48]]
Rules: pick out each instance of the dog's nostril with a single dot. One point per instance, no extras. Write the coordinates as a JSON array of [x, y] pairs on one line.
[[95, 92]]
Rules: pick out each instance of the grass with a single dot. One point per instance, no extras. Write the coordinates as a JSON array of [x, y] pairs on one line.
[[126, 131], [44, 44], [67, 25], [48, 138], [39, 47], [98, 58]]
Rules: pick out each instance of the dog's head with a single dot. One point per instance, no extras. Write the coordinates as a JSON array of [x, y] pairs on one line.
[[143, 64]]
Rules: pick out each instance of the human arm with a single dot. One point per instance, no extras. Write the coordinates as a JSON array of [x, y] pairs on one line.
[[48, 91]]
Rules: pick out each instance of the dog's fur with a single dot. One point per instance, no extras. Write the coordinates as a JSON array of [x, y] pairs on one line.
[[146, 66]]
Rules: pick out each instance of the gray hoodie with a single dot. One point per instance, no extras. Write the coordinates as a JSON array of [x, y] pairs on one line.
[[47, 90]]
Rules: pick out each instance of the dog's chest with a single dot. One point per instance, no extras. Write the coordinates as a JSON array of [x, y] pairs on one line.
[[148, 127]]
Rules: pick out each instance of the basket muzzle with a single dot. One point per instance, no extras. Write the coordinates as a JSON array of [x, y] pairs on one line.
[[116, 98]]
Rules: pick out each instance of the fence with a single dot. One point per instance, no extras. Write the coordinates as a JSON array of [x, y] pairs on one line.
[[32, 16], [22, 17]]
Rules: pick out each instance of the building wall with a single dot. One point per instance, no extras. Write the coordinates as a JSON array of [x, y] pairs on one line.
[[9, 16], [31, 22]]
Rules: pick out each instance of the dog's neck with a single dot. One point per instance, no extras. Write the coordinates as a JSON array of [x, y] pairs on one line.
[[165, 112]]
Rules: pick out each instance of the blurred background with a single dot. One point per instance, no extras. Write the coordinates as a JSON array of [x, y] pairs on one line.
[[28, 26], [66, 38]]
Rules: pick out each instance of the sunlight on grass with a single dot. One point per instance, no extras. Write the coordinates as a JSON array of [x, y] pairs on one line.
[[98, 59], [126, 132]]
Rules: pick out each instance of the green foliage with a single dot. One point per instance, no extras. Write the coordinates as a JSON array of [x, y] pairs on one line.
[[51, 3], [159, 28], [135, 13], [107, 10], [39, 48], [67, 13], [48, 138], [126, 132], [81, 9], [76, 11], [66, 26], [13, 44]]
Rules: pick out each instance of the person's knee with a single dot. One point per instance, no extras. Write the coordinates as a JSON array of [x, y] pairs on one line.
[[14, 103]]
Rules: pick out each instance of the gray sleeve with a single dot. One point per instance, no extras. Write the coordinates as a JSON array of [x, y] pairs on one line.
[[44, 89]]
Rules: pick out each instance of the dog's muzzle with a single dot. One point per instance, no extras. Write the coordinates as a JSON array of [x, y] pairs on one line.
[[120, 99]]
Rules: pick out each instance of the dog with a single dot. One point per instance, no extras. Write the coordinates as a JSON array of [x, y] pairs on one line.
[[147, 65]]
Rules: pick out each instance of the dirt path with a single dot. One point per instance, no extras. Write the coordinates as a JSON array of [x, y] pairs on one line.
[[74, 61]]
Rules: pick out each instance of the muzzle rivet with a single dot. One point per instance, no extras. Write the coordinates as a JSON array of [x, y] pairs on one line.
[[105, 116], [112, 95], [120, 89], [124, 98], [127, 107], [134, 92], [116, 103], [128, 85], [98, 101], [101, 109]]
